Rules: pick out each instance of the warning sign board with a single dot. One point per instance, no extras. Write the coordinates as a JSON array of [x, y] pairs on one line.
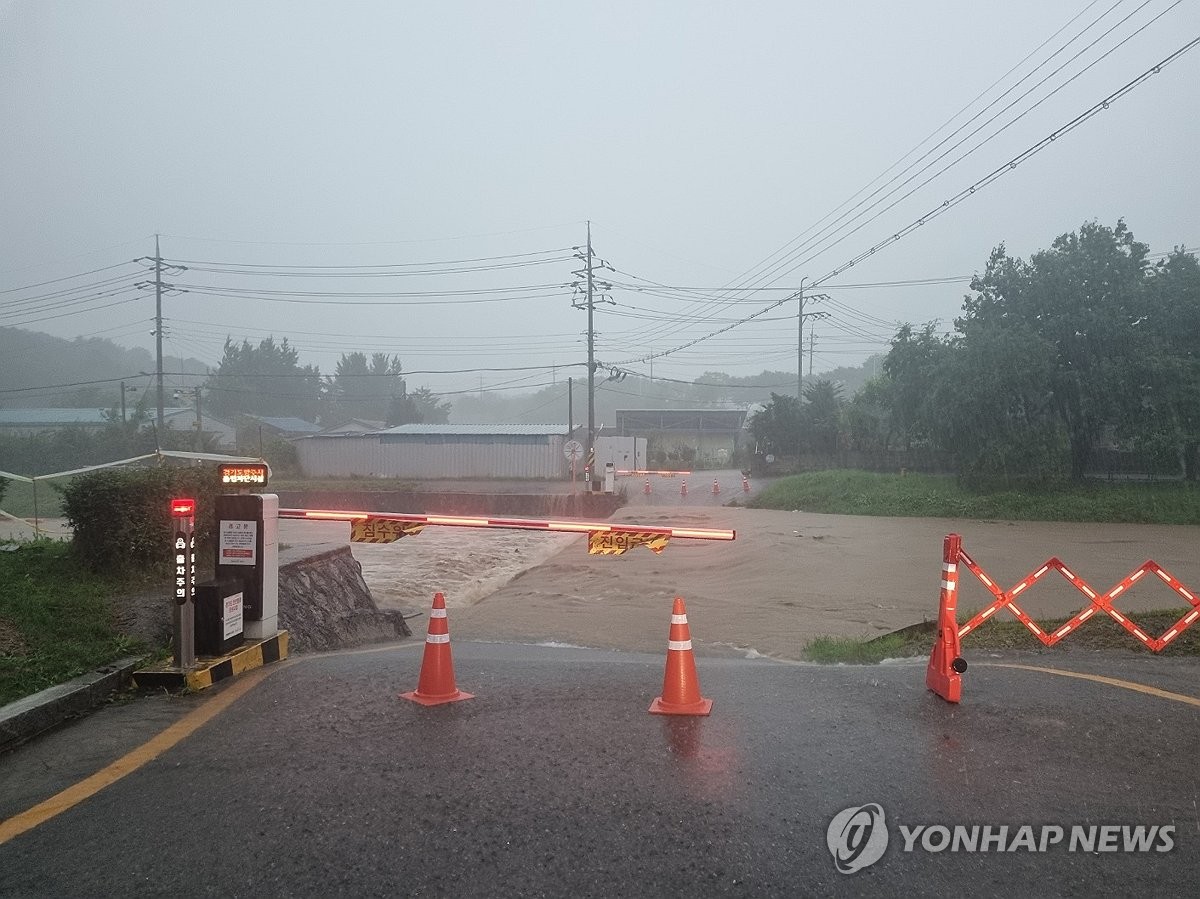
[[615, 543], [238, 543], [381, 530]]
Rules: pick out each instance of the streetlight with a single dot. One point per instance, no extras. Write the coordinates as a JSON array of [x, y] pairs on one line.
[[123, 389]]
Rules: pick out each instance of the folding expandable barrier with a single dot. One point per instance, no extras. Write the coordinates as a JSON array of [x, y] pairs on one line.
[[946, 663]]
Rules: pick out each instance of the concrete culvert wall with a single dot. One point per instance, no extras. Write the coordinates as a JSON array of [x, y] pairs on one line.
[[325, 604]]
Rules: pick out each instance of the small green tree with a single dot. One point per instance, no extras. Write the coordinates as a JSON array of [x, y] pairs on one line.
[[430, 409], [868, 420], [915, 365], [822, 415], [776, 427]]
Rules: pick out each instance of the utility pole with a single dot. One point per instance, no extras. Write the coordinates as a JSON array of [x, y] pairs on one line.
[[591, 312], [812, 340], [158, 331], [122, 402], [800, 344], [570, 407], [199, 424]]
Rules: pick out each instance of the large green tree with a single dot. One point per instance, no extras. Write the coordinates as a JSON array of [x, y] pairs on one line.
[[915, 366], [1075, 306], [264, 380], [1166, 402], [776, 427], [371, 389]]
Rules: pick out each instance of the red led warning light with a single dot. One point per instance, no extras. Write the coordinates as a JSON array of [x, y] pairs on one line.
[[183, 508]]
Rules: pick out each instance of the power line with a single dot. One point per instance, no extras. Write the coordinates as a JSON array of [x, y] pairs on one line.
[[67, 277], [1011, 165], [830, 240], [988, 179], [891, 187]]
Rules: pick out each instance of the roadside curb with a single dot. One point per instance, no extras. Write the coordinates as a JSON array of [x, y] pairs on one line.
[[209, 671], [28, 717]]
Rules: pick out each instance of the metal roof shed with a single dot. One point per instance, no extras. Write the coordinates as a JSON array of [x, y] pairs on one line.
[[427, 451]]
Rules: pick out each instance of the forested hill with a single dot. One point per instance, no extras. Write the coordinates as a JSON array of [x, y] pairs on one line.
[[33, 359]]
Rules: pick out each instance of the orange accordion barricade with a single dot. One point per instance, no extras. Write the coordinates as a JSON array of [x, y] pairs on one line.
[[946, 663]]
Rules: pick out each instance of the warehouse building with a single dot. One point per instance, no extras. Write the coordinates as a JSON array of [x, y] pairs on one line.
[[430, 451]]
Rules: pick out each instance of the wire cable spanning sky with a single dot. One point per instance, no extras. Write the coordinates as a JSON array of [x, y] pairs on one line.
[[417, 182]]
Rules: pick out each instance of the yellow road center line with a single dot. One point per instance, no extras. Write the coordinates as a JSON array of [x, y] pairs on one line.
[[1101, 679], [131, 761], [154, 747]]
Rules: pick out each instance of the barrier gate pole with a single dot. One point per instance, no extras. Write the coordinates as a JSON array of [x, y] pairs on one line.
[[945, 663]]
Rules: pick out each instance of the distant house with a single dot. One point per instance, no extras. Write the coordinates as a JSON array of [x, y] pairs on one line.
[[356, 426], [36, 421], [288, 427], [223, 434], [427, 451]]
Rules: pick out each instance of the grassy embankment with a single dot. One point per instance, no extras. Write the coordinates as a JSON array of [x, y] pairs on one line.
[[866, 493], [55, 623]]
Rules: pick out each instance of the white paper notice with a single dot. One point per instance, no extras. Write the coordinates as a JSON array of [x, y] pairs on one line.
[[233, 616], [239, 541]]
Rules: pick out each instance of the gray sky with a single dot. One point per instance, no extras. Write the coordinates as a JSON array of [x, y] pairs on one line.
[[698, 138]]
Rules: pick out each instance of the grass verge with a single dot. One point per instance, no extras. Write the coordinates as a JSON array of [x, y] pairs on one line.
[[1099, 633], [937, 496], [55, 621], [18, 499]]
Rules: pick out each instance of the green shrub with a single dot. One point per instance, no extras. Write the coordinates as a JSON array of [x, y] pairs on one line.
[[121, 517]]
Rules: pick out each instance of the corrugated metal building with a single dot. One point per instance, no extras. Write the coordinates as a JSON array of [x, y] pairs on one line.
[[438, 451]]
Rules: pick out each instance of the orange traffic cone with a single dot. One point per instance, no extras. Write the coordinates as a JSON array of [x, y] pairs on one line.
[[646, 489], [436, 683], [716, 488], [681, 685], [745, 485], [683, 489]]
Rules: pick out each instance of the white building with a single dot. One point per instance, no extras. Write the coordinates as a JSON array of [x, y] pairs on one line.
[[421, 451]]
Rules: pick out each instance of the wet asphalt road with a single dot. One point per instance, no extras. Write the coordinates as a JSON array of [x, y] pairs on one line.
[[555, 781]]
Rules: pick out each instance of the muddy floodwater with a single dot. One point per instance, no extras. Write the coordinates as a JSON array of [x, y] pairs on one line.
[[464, 564]]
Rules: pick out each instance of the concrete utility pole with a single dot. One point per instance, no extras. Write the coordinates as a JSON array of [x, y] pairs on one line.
[[199, 424], [812, 342], [158, 332], [591, 312], [800, 344]]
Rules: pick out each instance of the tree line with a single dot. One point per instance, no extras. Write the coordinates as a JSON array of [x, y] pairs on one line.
[[1058, 366], [268, 379]]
